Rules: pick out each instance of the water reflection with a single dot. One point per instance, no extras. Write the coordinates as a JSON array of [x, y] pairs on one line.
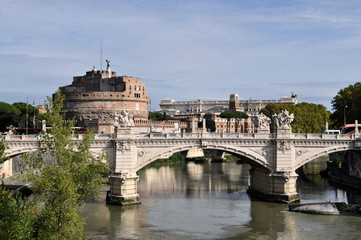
[[209, 201], [194, 179]]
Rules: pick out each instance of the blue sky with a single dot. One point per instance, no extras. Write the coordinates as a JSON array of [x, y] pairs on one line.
[[184, 50]]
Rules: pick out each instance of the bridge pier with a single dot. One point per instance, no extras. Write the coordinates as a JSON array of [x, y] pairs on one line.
[[123, 189], [123, 180], [273, 186]]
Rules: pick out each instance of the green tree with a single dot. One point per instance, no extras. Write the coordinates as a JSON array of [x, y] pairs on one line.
[[233, 114], [211, 125], [75, 176], [176, 157], [15, 115], [157, 116], [8, 115], [3, 147], [24, 109], [309, 117], [347, 104], [16, 216], [60, 186]]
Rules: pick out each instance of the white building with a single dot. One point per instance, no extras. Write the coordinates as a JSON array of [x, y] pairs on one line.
[[251, 107]]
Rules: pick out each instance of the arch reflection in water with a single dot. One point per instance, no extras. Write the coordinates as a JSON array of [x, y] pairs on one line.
[[194, 179], [214, 205]]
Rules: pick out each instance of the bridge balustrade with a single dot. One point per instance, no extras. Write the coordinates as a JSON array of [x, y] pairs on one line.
[[22, 137]]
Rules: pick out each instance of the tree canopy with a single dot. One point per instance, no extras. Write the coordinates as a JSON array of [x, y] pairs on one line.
[[15, 115], [347, 104], [233, 114], [158, 116], [309, 117]]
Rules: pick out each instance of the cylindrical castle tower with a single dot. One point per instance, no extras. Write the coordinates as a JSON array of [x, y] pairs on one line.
[[93, 98]]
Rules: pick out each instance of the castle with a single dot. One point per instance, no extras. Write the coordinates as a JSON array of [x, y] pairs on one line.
[[94, 98]]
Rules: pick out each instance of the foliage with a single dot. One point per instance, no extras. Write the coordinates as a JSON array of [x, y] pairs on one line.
[[15, 115], [157, 116], [3, 147], [346, 102], [309, 117], [61, 186], [230, 157], [210, 124], [16, 215], [175, 158], [8, 115], [233, 114]]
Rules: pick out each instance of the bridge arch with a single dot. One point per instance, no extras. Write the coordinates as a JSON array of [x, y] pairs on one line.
[[166, 153], [306, 158], [16, 152]]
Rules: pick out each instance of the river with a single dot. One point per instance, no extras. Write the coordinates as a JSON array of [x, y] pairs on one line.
[[209, 201]]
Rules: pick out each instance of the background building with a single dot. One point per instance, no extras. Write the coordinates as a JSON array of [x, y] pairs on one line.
[[251, 107], [211, 110]]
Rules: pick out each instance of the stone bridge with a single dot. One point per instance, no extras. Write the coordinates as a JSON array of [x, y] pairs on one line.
[[274, 157]]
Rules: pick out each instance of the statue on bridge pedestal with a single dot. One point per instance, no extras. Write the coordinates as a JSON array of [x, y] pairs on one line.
[[124, 119], [283, 120], [262, 123]]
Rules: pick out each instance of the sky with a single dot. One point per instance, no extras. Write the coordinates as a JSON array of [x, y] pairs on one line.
[[183, 50]]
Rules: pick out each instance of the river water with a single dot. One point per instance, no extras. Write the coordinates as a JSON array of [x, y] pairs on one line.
[[209, 201]]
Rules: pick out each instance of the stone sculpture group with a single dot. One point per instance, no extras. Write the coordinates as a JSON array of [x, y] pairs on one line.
[[124, 119], [282, 121]]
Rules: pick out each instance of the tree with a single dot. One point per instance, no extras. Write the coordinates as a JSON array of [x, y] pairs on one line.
[[3, 147], [62, 185], [309, 117], [346, 105], [25, 109], [157, 116], [8, 115], [15, 115], [16, 216]]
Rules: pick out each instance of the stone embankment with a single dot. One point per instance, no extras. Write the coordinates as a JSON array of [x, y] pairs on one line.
[[337, 177]]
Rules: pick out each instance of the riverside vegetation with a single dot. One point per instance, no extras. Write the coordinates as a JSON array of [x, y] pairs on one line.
[[59, 188]]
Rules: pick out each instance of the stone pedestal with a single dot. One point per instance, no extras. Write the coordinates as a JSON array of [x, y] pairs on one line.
[[273, 187], [123, 189], [123, 132]]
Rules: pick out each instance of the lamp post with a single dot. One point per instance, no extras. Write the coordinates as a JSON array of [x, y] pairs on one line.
[[344, 114]]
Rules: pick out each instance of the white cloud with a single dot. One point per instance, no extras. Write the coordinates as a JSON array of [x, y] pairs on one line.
[[187, 49]]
